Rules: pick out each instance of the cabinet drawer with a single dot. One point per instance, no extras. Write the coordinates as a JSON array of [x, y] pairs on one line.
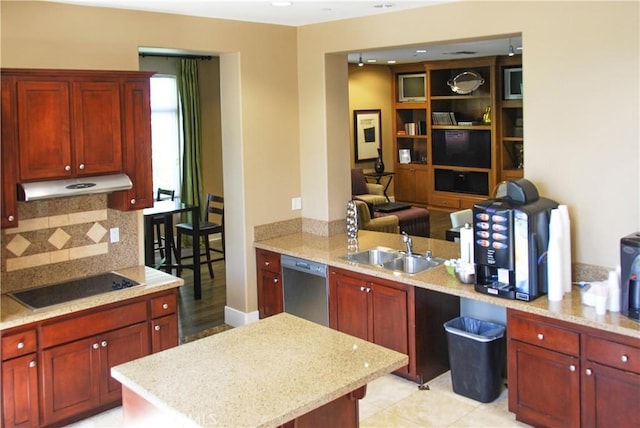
[[93, 323], [613, 354], [163, 305], [268, 260], [18, 344], [444, 201], [544, 335]]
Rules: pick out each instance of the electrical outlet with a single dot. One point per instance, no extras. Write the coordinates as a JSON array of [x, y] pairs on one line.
[[114, 234], [296, 203]]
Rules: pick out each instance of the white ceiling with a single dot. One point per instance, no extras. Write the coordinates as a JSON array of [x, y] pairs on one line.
[[305, 12]]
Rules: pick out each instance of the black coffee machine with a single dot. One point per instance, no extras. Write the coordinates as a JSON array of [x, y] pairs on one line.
[[511, 236], [630, 276]]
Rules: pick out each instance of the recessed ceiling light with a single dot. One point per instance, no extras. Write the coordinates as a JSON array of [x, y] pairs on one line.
[[280, 3], [391, 61], [372, 60], [384, 6], [421, 51]]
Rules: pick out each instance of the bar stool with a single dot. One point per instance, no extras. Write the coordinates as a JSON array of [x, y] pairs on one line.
[[215, 206], [160, 244]]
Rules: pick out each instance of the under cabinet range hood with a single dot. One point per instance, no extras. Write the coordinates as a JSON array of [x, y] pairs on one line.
[[40, 190]]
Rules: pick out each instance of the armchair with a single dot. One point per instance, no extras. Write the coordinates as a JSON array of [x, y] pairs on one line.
[[387, 223], [371, 193]]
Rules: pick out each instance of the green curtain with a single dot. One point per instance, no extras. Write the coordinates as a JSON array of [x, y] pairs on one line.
[[189, 96]]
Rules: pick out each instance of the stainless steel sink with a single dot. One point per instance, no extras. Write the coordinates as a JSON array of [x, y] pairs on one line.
[[395, 260], [412, 263], [374, 256]]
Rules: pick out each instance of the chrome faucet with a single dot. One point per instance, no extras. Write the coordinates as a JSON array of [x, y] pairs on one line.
[[408, 242]]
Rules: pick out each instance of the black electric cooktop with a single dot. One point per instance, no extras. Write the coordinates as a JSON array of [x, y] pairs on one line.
[[50, 295]]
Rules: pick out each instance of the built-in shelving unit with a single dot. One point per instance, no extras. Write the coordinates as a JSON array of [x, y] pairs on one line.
[[469, 141]]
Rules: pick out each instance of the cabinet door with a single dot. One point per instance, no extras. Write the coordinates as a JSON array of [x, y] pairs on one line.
[[403, 187], [97, 132], [272, 301], [9, 156], [137, 147], [164, 333], [118, 347], [20, 392], [71, 379], [350, 305], [44, 129], [544, 386], [610, 396], [389, 309]]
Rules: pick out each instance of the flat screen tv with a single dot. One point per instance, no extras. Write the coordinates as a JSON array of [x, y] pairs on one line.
[[462, 148], [412, 88]]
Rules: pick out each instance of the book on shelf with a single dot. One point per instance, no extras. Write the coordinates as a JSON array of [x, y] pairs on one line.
[[410, 128]]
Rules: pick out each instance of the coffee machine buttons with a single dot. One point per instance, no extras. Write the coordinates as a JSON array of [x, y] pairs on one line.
[[483, 242], [483, 234], [499, 237], [483, 226], [482, 216], [499, 245], [498, 228], [499, 218]]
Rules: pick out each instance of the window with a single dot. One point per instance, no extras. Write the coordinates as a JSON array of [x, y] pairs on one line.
[[165, 134]]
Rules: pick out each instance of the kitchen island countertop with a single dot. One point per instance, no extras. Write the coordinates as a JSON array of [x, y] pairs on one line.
[[260, 375], [331, 251], [14, 314]]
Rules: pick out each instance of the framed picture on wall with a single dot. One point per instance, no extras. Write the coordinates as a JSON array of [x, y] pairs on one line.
[[367, 134]]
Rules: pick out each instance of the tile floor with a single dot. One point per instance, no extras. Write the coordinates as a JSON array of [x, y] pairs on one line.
[[395, 402]]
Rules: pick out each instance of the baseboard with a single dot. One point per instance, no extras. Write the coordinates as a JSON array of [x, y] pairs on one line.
[[237, 318]]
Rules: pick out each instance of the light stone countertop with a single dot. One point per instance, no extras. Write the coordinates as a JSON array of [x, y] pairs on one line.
[[14, 314], [260, 375], [330, 250]]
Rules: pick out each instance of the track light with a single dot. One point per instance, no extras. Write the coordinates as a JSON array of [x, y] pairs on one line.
[[511, 51], [360, 63]]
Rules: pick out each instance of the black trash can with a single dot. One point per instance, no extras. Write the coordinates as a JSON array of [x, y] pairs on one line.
[[476, 356]]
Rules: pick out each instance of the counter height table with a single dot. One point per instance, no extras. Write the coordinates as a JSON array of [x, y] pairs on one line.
[[279, 371], [167, 209]]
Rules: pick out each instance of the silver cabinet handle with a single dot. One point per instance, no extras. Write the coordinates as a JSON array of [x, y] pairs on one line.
[[540, 336], [156, 328], [588, 372], [104, 343], [81, 166], [267, 263], [165, 306], [95, 346], [361, 288], [133, 201], [572, 368], [275, 280], [32, 364], [368, 289], [67, 167], [624, 358], [11, 218], [20, 345]]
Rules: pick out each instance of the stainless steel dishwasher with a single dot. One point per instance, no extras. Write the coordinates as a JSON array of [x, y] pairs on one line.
[[305, 289]]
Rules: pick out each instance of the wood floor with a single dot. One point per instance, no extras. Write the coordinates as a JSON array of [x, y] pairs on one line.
[[197, 315]]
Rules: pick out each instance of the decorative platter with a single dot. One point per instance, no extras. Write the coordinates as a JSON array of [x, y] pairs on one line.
[[465, 82]]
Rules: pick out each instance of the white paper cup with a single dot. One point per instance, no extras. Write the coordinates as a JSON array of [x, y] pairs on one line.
[[600, 295]]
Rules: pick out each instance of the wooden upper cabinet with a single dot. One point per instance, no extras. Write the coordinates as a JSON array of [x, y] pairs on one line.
[[8, 148], [136, 134], [97, 129], [44, 129]]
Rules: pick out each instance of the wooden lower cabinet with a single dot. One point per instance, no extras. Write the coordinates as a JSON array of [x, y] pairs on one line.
[[396, 316], [563, 374], [58, 370], [78, 373], [20, 392], [269, 279]]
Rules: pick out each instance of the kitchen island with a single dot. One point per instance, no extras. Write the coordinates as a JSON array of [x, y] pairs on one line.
[[266, 374]]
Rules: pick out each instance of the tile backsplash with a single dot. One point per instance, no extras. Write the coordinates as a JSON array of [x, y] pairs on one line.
[[65, 238]]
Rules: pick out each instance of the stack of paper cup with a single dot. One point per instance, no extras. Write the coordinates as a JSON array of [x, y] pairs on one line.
[[554, 258], [566, 247], [466, 244]]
